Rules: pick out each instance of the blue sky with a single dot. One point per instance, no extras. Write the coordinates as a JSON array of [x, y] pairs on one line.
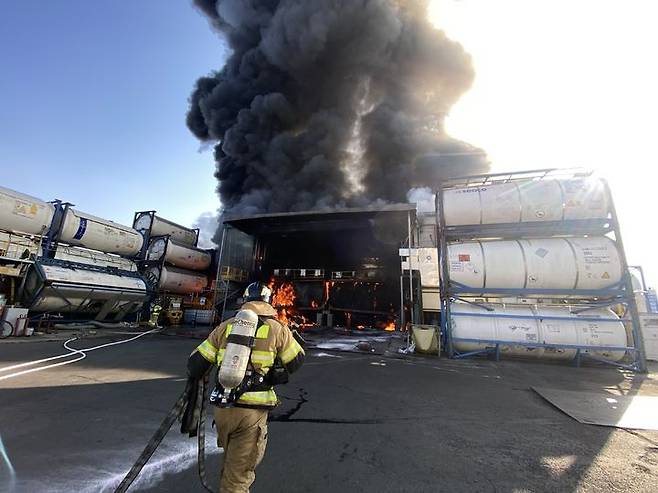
[[93, 96]]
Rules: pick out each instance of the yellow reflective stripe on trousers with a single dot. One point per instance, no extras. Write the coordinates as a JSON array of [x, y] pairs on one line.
[[291, 352], [207, 350], [263, 358], [263, 398]]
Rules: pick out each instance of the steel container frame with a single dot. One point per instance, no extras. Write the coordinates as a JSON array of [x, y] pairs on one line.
[[621, 293]]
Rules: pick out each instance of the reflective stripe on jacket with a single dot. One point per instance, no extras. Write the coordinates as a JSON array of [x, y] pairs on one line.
[[272, 340]]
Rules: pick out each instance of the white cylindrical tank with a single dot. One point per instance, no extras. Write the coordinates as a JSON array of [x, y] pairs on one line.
[[56, 288], [93, 257], [582, 329], [543, 263], [23, 213], [526, 201], [89, 231], [183, 256], [236, 356], [162, 227], [179, 281], [473, 332], [518, 330]]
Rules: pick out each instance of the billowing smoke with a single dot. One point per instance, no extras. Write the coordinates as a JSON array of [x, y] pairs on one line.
[[330, 103], [208, 223]]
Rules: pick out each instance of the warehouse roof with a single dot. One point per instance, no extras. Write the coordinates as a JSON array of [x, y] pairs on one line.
[[320, 220]]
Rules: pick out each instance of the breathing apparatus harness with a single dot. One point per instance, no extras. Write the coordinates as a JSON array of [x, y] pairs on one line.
[[252, 381]]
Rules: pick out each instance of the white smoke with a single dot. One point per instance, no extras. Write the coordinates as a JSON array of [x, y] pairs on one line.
[[423, 198], [207, 222]]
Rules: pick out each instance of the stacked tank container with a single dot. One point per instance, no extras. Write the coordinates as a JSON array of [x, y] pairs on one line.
[[549, 241], [171, 258], [80, 264]]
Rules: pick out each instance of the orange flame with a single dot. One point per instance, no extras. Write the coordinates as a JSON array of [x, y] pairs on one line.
[[283, 295], [327, 287], [283, 300]]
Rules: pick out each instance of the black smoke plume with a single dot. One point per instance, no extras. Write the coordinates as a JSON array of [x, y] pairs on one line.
[[329, 103]]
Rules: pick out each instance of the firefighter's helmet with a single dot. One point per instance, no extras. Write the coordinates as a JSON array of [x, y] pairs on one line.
[[257, 291]]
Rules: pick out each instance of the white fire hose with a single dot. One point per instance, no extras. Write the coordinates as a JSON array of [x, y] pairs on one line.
[[72, 351]]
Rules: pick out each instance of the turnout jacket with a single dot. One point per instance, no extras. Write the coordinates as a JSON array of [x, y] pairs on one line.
[[273, 342]]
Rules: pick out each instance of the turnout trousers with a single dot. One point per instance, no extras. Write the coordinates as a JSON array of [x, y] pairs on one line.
[[242, 433]]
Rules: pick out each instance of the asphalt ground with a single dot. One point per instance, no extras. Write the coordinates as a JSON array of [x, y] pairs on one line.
[[347, 422]]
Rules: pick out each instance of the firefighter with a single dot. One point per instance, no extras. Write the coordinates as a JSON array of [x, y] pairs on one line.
[[156, 308], [241, 414]]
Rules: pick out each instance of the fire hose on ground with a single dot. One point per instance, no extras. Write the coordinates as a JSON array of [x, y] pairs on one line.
[[72, 351], [195, 420]]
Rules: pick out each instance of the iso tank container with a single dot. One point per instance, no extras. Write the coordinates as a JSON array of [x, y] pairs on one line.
[[54, 288], [526, 201], [26, 214], [92, 257], [472, 332], [543, 263], [179, 281], [178, 255], [148, 221], [23, 213], [79, 228]]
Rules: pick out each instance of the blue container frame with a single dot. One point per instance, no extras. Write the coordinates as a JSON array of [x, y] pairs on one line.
[[583, 300]]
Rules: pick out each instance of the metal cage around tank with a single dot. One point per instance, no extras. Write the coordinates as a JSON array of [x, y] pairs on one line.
[[165, 228], [583, 300]]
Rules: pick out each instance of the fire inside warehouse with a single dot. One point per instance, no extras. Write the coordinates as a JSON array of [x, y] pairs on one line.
[[331, 268]]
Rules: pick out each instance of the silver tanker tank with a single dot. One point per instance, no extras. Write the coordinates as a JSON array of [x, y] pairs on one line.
[[527, 201], [157, 226], [178, 281], [93, 257], [556, 331], [57, 288], [183, 256], [538, 263], [93, 232], [26, 214]]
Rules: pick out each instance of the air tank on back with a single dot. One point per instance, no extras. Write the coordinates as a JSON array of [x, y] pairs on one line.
[[236, 356], [178, 255], [157, 226], [23, 213], [541, 263], [526, 201], [554, 327]]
